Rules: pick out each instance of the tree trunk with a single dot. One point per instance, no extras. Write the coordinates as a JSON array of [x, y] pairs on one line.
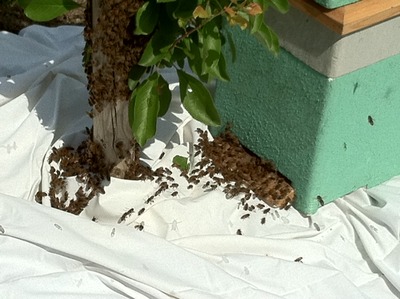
[[114, 50]]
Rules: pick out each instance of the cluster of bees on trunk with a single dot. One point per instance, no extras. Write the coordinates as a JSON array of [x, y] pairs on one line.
[[87, 164], [111, 50]]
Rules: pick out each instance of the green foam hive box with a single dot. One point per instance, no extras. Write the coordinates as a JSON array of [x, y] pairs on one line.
[[328, 116], [334, 3]]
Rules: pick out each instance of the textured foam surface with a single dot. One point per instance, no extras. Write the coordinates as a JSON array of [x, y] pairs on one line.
[[334, 3], [329, 136]]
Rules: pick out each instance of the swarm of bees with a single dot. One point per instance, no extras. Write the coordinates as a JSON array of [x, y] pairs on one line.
[[86, 163], [225, 162], [229, 164], [111, 45]]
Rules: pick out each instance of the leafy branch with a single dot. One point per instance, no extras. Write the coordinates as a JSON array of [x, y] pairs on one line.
[[189, 31], [183, 32], [46, 10]]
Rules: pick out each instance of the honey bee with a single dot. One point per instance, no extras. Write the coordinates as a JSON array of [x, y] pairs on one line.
[[246, 206], [39, 195], [202, 173], [170, 178], [195, 171], [229, 195], [298, 260], [159, 172], [140, 226], [320, 200], [263, 220], [266, 211], [206, 185], [202, 163], [100, 189], [119, 146], [370, 120], [245, 216], [125, 215], [58, 226], [158, 192], [141, 211], [192, 179], [55, 155], [88, 131], [80, 194], [239, 232], [164, 186], [260, 206], [149, 200], [174, 185], [174, 193], [199, 131], [213, 187], [161, 156], [251, 208], [190, 187]]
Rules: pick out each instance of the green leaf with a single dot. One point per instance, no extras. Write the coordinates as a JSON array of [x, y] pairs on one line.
[[281, 5], [268, 37], [164, 95], [179, 57], [221, 73], [210, 41], [232, 46], [197, 100], [146, 105], [135, 74], [256, 22], [184, 9], [146, 18], [181, 163], [46, 10], [191, 48], [157, 49]]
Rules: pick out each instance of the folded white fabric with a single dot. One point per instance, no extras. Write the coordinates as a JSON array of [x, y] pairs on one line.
[[188, 247]]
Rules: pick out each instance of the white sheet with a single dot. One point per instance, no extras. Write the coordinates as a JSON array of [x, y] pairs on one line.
[[189, 247]]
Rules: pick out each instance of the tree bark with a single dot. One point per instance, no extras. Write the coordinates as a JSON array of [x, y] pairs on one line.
[[114, 50]]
